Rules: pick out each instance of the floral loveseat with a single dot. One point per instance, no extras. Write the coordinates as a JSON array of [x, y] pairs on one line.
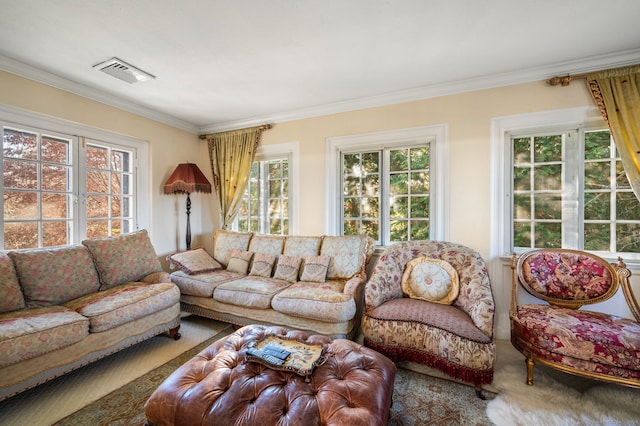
[[312, 283], [452, 332], [556, 332], [64, 307]]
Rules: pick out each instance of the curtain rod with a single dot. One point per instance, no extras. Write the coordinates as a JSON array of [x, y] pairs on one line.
[[260, 128]]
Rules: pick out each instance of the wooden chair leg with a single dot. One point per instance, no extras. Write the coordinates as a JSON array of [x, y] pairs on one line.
[[174, 333], [530, 364]]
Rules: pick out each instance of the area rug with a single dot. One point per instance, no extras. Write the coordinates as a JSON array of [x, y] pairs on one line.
[[418, 399], [560, 399]]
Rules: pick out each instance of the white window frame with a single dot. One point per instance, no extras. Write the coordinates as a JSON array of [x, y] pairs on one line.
[[502, 130], [439, 171], [12, 117], [290, 151]]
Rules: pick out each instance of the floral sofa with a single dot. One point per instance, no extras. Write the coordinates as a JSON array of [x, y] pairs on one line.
[[64, 307], [556, 332], [311, 283], [449, 329]]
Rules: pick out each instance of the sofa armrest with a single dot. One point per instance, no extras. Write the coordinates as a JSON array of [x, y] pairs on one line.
[[353, 284], [157, 277]]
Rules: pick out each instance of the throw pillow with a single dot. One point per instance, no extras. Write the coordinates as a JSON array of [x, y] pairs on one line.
[[287, 268], [239, 261], [432, 280], [315, 268], [262, 265], [193, 262]]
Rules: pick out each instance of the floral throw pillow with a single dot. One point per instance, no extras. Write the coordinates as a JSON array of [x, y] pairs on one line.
[[315, 268], [287, 268], [193, 262], [239, 261], [262, 265]]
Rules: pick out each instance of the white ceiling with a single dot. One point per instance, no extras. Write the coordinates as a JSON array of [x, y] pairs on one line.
[[224, 64]]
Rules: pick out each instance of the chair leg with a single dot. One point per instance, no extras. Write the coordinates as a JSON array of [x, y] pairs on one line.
[[530, 364]]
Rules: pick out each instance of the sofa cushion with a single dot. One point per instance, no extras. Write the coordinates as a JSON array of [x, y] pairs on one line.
[[251, 292], [124, 303], [570, 335], [239, 261], [315, 268], [125, 258], [225, 241], [319, 301], [302, 246], [288, 268], [270, 244], [12, 298], [32, 332], [202, 285], [262, 265], [193, 262], [52, 276], [431, 280], [348, 255]]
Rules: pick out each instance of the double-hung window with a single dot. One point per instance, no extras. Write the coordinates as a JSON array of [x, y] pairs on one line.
[[265, 203], [388, 184], [59, 188]]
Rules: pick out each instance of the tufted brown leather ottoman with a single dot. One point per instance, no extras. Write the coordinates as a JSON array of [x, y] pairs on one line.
[[217, 387]]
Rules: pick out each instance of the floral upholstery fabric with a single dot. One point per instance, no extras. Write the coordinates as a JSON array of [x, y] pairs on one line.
[[12, 298], [32, 332], [125, 303], [202, 285], [268, 244], [225, 241], [322, 301], [287, 268], [122, 259], [193, 262], [262, 265], [314, 268], [52, 276], [302, 246], [586, 340], [348, 255], [239, 261], [252, 292], [475, 296], [566, 275]]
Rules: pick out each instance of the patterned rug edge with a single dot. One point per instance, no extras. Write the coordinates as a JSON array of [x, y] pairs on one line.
[[114, 408]]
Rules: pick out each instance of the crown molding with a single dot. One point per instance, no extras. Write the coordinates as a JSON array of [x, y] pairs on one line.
[[595, 63], [27, 71]]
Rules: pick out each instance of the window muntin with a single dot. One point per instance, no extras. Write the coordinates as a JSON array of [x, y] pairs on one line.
[[386, 193], [265, 203], [569, 190], [37, 189], [109, 190], [45, 178]]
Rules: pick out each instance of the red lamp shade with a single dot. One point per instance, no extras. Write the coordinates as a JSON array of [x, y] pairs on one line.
[[187, 178]]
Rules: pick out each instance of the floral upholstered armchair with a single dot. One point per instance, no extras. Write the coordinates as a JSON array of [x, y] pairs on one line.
[[561, 335], [430, 302]]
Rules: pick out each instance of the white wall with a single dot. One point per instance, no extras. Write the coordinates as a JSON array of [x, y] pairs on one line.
[[468, 117]]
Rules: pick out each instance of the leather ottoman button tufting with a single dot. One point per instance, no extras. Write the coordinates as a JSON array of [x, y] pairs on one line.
[[352, 386]]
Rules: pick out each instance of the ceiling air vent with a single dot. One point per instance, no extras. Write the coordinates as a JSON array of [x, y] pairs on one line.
[[120, 69]]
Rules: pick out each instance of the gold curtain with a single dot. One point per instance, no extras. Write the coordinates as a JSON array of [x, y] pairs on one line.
[[617, 94], [231, 154]]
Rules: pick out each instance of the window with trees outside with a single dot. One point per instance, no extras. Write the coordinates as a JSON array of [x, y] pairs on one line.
[[387, 192], [570, 191], [59, 189], [265, 203]]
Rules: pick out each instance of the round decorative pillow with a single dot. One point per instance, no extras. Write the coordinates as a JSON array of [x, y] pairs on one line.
[[432, 280]]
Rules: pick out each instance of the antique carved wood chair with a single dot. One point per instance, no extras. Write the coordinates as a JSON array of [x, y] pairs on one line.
[[561, 335]]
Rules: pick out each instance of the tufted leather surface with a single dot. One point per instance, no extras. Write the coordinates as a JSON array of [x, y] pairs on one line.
[[352, 387]]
